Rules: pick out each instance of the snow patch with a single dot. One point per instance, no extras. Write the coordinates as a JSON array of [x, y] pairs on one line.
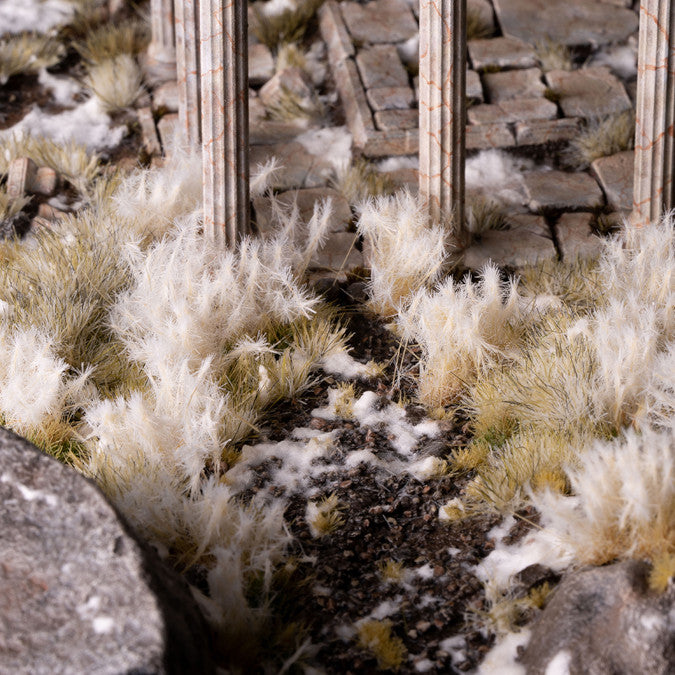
[[332, 143], [29, 494], [63, 89], [277, 7], [386, 608], [456, 647], [396, 163], [498, 175], [559, 664], [426, 571], [103, 625], [36, 16], [346, 366], [424, 665], [620, 59], [501, 659]]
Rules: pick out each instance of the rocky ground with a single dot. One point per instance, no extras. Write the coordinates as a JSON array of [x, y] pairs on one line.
[[387, 558]]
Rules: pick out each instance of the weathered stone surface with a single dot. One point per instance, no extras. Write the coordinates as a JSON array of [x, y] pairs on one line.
[[353, 98], [483, 10], [78, 592], [390, 98], [576, 238], [388, 143], [396, 119], [589, 92], [45, 182], [166, 97], [49, 212], [573, 22], [260, 64], [511, 84], [562, 190], [20, 176], [291, 80], [167, 127], [501, 52], [540, 132], [334, 32], [527, 242], [486, 136], [338, 253], [605, 620], [615, 174], [380, 21], [380, 66], [148, 131], [403, 178], [300, 168], [474, 89], [305, 201], [513, 110]]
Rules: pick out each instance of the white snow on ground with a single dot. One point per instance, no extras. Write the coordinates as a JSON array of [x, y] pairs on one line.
[[346, 366], [86, 124], [456, 647], [63, 89], [331, 143], [39, 16], [498, 175], [559, 664], [276, 7], [621, 59], [501, 659], [396, 163]]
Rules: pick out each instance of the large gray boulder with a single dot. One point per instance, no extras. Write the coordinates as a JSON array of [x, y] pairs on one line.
[[78, 592], [605, 620]]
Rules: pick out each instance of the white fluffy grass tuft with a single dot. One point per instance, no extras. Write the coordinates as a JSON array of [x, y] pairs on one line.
[[27, 54], [405, 253], [116, 82]]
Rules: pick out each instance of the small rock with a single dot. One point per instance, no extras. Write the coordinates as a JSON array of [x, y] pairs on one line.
[[390, 98], [49, 212], [540, 132], [301, 169], [338, 253], [501, 52], [380, 66], [168, 127], [482, 10], [615, 174], [45, 183], [589, 92], [511, 84], [260, 64], [575, 237], [20, 176], [604, 620], [166, 97], [291, 80], [486, 136], [381, 21], [149, 135], [474, 89], [516, 110], [389, 120], [562, 190]]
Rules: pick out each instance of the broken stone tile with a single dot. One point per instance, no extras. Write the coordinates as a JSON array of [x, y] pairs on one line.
[[501, 52], [20, 176], [474, 89], [615, 174], [482, 10], [353, 98], [166, 97], [527, 242], [390, 98], [380, 21], [576, 238], [148, 131], [338, 253], [513, 110], [45, 182], [305, 199], [334, 32], [540, 132], [396, 119], [260, 64], [380, 66], [167, 128], [511, 84], [299, 168], [589, 92], [389, 143], [573, 22], [562, 190], [486, 136]]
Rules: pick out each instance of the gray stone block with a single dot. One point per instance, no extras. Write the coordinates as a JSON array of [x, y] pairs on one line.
[[561, 190], [615, 174]]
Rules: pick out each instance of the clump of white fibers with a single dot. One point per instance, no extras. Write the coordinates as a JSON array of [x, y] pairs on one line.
[[406, 253], [498, 176], [462, 329], [624, 500]]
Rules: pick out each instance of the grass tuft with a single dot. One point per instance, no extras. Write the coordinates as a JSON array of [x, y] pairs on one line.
[[287, 27], [553, 56], [601, 138], [108, 41], [377, 638], [27, 53], [116, 82]]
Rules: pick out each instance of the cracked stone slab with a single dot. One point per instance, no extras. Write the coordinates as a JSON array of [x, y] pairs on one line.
[[527, 242], [501, 52], [396, 119], [381, 21], [576, 238], [390, 98], [486, 136], [561, 190], [380, 66], [305, 201], [589, 92], [541, 132], [573, 22], [511, 84], [512, 111], [615, 174]]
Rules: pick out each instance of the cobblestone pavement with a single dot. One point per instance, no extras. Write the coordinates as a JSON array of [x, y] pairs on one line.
[[518, 102]]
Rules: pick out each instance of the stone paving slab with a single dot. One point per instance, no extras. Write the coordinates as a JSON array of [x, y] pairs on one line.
[[501, 52], [392, 120], [512, 111], [570, 22], [511, 84], [381, 21], [560, 190], [576, 238], [527, 242], [380, 66], [543, 132], [300, 167], [391, 98], [615, 175], [589, 92]]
